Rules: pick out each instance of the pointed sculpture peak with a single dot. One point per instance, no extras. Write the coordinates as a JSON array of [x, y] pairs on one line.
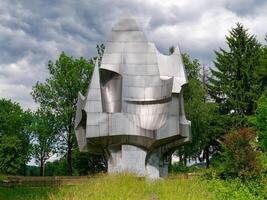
[[126, 22], [125, 14], [177, 50]]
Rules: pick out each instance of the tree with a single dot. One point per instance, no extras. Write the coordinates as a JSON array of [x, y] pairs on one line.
[[201, 112], [11, 160], [86, 163], [239, 156], [100, 52], [14, 138], [45, 131], [259, 120], [59, 93], [235, 83], [192, 66], [206, 124], [56, 168], [263, 62]]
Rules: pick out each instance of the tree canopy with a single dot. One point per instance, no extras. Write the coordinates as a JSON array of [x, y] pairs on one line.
[[15, 147], [235, 83], [59, 93], [44, 129]]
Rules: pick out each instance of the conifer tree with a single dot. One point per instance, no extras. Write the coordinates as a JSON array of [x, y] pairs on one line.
[[235, 83], [263, 62]]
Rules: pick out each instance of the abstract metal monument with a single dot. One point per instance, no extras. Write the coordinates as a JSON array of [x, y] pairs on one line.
[[133, 112]]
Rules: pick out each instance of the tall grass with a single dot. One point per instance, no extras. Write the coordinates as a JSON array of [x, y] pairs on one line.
[[127, 187]]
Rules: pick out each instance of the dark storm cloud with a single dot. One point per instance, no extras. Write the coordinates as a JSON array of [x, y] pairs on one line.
[[33, 32]]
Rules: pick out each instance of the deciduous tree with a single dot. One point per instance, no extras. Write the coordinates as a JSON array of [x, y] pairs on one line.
[[44, 128], [259, 120], [14, 138], [59, 93]]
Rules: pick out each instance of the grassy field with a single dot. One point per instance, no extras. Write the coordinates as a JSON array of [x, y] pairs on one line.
[[126, 187]]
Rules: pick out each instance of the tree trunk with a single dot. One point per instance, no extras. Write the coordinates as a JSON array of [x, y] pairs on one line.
[[207, 156], [69, 159], [180, 157], [199, 158], [24, 169], [185, 160], [42, 168]]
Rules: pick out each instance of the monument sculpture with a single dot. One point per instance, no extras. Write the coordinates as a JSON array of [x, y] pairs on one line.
[[133, 111]]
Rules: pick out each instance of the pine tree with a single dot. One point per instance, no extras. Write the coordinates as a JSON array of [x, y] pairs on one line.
[[263, 62], [236, 84]]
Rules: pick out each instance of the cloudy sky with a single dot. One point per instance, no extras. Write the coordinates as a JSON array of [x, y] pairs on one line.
[[35, 31]]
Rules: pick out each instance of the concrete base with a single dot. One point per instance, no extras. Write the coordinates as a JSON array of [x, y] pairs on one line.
[[128, 158]]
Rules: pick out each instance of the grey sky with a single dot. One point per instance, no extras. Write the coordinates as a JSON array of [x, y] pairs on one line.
[[34, 31]]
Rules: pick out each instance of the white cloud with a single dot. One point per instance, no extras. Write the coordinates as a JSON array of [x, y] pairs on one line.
[[16, 79], [32, 32]]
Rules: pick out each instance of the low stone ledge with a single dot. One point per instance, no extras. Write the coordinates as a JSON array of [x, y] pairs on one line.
[[36, 181]]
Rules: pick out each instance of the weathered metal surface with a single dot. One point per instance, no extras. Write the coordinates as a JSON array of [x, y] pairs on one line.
[[136, 114]]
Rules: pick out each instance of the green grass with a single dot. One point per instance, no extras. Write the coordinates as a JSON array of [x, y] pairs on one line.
[[115, 187], [2, 177], [26, 193], [126, 187], [235, 189]]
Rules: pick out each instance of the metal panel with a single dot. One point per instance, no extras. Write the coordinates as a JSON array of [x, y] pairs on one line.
[[126, 24], [127, 36], [153, 93], [153, 81], [94, 94], [103, 129], [139, 108], [135, 93], [112, 59], [96, 118], [135, 81], [114, 47], [134, 47], [92, 131], [145, 70], [93, 107], [143, 59]]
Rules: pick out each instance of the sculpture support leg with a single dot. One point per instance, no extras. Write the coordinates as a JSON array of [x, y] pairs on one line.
[[152, 166], [127, 158], [157, 165]]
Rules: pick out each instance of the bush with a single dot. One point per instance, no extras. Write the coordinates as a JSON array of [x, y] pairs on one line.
[[10, 148], [240, 157], [181, 168], [209, 174], [236, 189], [259, 120]]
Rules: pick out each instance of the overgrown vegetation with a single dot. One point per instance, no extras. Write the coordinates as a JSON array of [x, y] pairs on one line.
[[129, 187], [119, 187], [239, 157], [236, 189]]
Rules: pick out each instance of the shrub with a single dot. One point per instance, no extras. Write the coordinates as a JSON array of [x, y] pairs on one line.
[[240, 157], [259, 120], [181, 168], [209, 174], [10, 148], [236, 189]]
